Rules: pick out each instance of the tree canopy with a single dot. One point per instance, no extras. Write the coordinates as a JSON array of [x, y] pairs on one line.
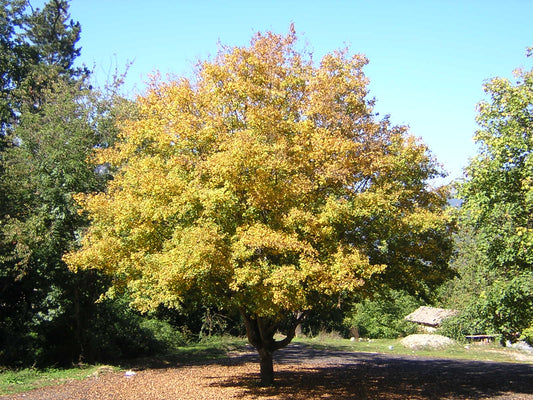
[[266, 183], [498, 201], [499, 190]]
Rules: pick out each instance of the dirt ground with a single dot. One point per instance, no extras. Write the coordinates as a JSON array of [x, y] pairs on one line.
[[306, 373]]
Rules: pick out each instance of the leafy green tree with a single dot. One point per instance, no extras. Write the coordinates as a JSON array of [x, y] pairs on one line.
[[266, 185], [53, 37], [498, 199], [55, 120], [32, 84], [36, 47], [473, 274], [14, 61], [41, 171]]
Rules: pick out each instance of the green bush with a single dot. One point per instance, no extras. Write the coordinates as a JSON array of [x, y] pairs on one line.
[[167, 336], [505, 308], [527, 335], [326, 320], [467, 322], [383, 316]]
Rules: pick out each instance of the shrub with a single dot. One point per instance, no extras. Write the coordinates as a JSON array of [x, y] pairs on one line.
[[383, 316], [470, 321], [527, 335], [168, 337], [505, 308]]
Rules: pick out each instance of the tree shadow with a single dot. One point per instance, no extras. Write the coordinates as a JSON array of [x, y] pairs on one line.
[[306, 373]]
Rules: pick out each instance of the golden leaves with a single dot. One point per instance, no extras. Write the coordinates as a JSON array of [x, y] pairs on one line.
[[264, 182]]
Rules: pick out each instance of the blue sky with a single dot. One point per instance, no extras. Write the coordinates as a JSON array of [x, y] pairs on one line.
[[428, 59]]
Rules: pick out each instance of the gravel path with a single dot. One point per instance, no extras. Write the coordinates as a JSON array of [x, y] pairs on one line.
[[306, 373]]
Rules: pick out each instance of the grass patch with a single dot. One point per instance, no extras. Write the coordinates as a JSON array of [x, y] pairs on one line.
[[207, 349], [17, 381], [491, 352]]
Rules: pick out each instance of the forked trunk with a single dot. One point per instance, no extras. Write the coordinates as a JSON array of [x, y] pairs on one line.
[[260, 332]]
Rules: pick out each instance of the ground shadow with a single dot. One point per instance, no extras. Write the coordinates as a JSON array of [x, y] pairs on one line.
[[307, 373]]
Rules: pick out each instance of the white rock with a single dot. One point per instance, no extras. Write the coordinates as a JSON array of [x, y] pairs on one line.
[[522, 346], [416, 342]]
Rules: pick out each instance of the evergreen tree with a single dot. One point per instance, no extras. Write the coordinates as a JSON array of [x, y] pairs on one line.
[[53, 119]]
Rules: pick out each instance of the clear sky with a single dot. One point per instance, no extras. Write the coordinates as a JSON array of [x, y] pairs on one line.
[[428, 59]]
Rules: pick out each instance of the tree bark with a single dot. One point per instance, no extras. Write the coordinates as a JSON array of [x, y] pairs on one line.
[[260, 332], [266, 367]]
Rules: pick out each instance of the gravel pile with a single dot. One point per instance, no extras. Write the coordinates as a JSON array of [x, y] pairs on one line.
[[417, 342]]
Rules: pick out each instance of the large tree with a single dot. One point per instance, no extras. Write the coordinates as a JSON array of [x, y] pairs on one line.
[[498, 200], [50, 120], [266, 184], [40, 299]]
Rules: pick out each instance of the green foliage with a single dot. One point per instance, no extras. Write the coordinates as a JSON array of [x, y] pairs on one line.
[[37, 47], [527, 335], [473, 275], [498, 194], [325, 321], [383, 316], [167, 336], [53, 36], [497, 213], [53, 120], [470, 321], [117, 332], [508, 306], [14, 60], [42, 169], [504, 308]]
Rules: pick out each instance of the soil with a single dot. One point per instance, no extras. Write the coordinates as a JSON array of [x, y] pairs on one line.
[[305, 373]]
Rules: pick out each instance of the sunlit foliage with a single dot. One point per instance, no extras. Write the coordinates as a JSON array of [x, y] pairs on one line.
[[265, 183], [498, 203]]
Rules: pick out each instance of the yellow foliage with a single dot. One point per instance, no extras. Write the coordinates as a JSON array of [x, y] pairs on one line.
[[266, 183]]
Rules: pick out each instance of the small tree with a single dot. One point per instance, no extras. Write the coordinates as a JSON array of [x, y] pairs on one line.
[[265, 184]]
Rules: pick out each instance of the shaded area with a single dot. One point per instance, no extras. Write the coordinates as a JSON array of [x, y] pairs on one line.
[[304, 372]]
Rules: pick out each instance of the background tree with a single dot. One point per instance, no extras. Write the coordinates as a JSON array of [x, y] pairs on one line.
[[265, 185], [498, 202], [36, 46], [41, 172], [14, 56], [52, 122]]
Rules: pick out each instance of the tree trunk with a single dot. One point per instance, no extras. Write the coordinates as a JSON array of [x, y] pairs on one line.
[[260, 332], [266, 367], [79, 327]]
